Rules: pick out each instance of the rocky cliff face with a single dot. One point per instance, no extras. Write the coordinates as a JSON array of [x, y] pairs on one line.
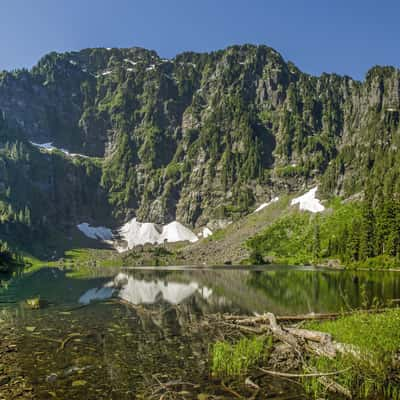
[[200, 138]]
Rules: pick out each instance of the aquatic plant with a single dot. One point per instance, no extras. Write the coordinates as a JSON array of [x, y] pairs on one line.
[[236, 359]]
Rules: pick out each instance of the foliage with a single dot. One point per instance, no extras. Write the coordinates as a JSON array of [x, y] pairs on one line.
[[371, 373], [289, 239], [8, 257], [359, 234], [236, 359]]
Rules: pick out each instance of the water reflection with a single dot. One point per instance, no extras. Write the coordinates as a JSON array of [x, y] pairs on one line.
[[161, 331], [137, 291]]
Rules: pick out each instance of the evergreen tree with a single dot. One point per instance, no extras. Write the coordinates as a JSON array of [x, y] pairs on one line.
[[317, 240], [367, 228]]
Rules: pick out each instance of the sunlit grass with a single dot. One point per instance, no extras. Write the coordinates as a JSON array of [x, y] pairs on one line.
[[376, 340], [236, 359]]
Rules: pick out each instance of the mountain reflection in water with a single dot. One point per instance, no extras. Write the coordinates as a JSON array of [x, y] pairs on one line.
[[137, 291], [160, 326]]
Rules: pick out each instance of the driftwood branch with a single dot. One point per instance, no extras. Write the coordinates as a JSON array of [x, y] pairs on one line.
[[245, 319], [67, 339], [333, 386], [310, 375]]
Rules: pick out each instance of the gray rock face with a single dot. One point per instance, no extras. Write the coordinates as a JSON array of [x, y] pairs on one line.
[[201, 138]]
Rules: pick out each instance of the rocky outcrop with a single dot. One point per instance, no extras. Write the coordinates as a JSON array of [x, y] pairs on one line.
[[201, 138]]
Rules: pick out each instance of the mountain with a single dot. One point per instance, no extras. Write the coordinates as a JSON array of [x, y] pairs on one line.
[[201, 138]]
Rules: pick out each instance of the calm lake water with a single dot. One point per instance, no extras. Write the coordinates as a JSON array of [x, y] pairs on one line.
[[122, 334]]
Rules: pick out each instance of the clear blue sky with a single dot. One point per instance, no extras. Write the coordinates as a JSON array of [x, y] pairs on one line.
[[343, 36]]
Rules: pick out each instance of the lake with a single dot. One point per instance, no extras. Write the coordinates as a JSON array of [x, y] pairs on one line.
[[129, 333]]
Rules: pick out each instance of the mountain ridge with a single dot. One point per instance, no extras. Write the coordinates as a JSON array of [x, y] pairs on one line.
[[201, 138]]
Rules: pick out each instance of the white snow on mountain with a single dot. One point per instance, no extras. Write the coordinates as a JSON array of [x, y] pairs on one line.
[[130, 61], [97, 233], [309, 202], [136, 233], [50, 148], [176, 232], [262, 206]]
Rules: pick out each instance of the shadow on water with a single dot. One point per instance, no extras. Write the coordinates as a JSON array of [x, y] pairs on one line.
[[119, 334]]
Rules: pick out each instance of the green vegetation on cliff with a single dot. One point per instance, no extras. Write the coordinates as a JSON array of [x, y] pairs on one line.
[[201, 138]]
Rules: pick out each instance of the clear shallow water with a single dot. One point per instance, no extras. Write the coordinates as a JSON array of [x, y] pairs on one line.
[[151, 324]]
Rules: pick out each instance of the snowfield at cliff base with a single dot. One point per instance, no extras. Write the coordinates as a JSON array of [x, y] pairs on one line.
[[97, 233], [136, 233], [308, 202]]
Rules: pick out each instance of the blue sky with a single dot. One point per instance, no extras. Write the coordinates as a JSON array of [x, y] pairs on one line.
[[347, 37]]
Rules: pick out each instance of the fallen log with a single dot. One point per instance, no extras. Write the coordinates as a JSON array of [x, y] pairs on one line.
[[310, 375], [303, 341], [245, 319], [314, 336], [333, 386], [281, 333]]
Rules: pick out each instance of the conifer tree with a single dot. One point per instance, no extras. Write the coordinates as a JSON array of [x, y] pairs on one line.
[[367, 228]]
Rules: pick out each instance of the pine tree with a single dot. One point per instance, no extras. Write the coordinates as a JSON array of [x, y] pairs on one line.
[[353, 246], [367, 228], [317, 241]]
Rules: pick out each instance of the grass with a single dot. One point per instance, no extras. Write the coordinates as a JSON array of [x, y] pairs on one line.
[[235, 359], [378, 262], [373, 371]]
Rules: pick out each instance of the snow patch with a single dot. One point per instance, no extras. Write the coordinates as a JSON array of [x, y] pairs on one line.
[[176, 232], [130, 61], [97, 233], [50, 148], [105, 73], [309, 202], [151, 67], [262, 206], [137, 233]]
